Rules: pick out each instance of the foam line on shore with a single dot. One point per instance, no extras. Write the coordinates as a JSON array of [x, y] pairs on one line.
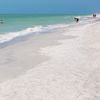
[[33, 30]]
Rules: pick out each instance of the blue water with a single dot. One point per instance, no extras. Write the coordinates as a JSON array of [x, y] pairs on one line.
[[17, 22], [20, 24]]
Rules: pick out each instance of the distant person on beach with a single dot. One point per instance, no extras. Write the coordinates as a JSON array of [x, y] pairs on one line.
[[94, 15], [1, 22], [76, 19]]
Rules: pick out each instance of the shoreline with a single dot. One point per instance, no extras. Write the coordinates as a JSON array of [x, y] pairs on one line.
[[26, 42], [67, 66], [12, 53]]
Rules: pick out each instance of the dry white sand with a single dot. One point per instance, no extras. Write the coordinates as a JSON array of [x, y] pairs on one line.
[[63, 65]]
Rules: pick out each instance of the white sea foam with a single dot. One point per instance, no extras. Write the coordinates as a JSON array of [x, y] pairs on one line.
[[33, 30]]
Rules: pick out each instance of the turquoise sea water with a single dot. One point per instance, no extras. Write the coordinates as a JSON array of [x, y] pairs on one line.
[[18, 24]]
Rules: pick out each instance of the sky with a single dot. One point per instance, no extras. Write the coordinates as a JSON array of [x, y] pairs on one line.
[[50, 6]]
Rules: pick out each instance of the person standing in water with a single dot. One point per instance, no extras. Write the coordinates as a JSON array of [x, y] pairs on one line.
[[76, 19]]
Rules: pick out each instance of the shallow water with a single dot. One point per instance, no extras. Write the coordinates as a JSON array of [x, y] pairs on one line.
[[15, 25]]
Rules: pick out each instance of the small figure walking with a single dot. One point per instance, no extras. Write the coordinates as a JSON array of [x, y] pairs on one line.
[[94, 15]]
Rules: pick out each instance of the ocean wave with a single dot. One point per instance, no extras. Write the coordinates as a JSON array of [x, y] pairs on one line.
[[33, 30]]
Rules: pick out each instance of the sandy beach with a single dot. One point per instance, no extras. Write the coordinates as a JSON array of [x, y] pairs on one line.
[[61, 65]]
